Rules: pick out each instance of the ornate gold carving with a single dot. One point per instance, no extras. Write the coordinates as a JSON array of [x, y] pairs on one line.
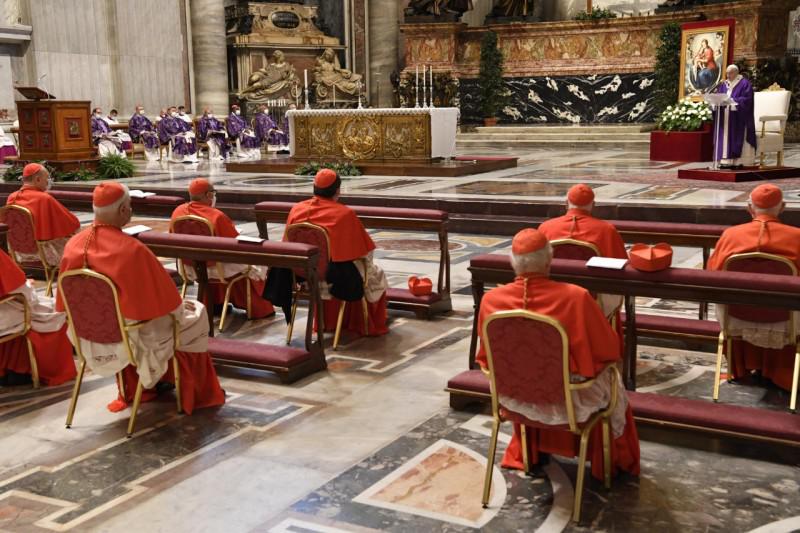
[[397, 140], [774, 88], [275, 24], [359, 137], [323, 139]]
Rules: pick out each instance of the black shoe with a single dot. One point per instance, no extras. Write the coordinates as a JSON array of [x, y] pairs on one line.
[[13, 379], [164, 386]]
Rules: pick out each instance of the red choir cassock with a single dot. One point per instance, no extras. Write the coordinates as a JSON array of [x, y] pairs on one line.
[[348, 241], [592, 345], [580, 225], [146, 291], [53, 350], [766, 234], [51, 219], [224, 227]]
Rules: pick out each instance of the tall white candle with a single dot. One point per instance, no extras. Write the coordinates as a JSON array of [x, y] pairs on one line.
[[305, 76]]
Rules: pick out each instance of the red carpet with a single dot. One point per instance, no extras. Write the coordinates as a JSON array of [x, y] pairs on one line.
[[745, 174]]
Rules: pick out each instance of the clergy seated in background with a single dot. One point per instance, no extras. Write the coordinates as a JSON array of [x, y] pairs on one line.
[[173, 129], [579, 224], [146, 293], [592, 345], [142, 130], [183, 115], [53, 223], [212, 131], [763, 349], [247, 143], [736, 140], [48, 333], [266, 129], [203, 199], [349, 241], [108, 141]]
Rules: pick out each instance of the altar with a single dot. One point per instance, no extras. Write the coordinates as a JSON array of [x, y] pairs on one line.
[[388, 135]]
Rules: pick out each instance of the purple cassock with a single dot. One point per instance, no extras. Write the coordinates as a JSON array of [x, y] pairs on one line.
[[142, 130], [210, 129], [265, 127], [236, 125], [99, 128], [170, 128], [741, 124]]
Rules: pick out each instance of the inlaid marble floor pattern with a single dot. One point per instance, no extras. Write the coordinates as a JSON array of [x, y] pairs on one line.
[[370, 444]]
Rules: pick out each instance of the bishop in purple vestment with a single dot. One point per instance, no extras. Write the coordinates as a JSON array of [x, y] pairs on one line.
[[104, 137], [247, 144], [266, 129], [212, 131], [736, 139], [184, 145], [141, 130]]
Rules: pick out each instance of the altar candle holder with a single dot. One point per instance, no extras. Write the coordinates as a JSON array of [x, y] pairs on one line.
[[431, 90], [424, 88], [359, 96], [416, 90]]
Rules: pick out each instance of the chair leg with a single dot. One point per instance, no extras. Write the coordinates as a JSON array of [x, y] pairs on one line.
[[729, 360], [339, 320], [576, 511], [780, 158], [34, 364], [135, 409], [248, 287], [718, 370], [606, 453], [183, 289], [526, 461], [225, 306], [487, 482], [49, 275], [177, 371], [795, 379], [75, 390], [121, 385], [365, 310], [291, 322], [761, 160]]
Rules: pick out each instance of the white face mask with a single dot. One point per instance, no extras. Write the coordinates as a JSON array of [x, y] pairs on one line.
[[141, 111], [214, 201], [98, 115], [173, 114], [49, 184], [181, 113], [238, 112], [211, 115]]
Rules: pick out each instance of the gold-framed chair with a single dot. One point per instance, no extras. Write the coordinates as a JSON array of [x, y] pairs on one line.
[[93, 314], [761, 263], [771, 110], [308, 233], [510, 337], [569, 248], [7, 300], [197, 225], [22, 239]]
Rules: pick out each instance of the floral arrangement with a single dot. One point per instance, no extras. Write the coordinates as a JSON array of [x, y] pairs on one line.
[[596, 14], [343, 169], [686, 115]]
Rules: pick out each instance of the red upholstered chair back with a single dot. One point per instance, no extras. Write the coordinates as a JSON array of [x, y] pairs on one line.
[[573, 249], [191, 225], [21, 233], [307, 233], [760, 263], [92, 305], [528, 359]]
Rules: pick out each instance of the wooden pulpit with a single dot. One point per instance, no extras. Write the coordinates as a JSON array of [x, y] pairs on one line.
[[53, 130]]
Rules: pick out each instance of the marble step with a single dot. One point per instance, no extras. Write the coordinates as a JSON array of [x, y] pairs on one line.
[[554, 143], [555, 136], [561, 128]]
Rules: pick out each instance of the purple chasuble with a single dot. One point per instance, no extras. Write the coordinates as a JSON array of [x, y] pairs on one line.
[[169, 128], [142, 130], [212, 130], [741, 123], [99, 128]]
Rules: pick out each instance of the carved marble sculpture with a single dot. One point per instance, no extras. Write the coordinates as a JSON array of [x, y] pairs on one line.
[[329, 74], [513, 8], [437, 7], [272, 81]]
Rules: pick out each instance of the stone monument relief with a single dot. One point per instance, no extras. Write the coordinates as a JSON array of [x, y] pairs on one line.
[[334, 83]]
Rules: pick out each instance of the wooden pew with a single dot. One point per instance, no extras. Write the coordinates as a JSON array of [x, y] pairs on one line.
[[157, 205], [675, 283], [290, 364], [427, 220], [3, 239]]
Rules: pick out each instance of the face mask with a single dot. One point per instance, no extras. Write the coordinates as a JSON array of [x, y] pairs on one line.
[[211, 115], [181, 113], [98, 115], [49, 184], [141, 111], [238, 112], [214, 201], [173, 114]]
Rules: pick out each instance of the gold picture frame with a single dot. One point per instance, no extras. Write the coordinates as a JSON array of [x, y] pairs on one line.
[[705, 53]]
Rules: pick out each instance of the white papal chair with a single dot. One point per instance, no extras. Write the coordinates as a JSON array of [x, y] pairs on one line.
[[771, 109]]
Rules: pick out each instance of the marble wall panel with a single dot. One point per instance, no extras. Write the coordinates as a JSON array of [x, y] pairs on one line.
[[383, 47], [613, 98]]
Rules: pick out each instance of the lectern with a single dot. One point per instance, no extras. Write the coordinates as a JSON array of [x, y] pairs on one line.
[[58, 131]]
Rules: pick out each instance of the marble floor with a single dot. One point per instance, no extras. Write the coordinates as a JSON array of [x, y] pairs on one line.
[[370, 444], [617, 176]]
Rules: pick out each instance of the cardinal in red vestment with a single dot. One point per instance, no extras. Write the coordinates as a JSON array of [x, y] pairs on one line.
[[765, 233], [349, 241], [53, 223], [592, 345], [146, 293], [48, 333], [203, 201]]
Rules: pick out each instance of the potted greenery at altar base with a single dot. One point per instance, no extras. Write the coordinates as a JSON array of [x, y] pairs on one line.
[[683, 133], [493, 92]]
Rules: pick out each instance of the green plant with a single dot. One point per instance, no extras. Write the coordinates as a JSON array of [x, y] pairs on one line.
[[596, 14], [82, 174], [668, 67], [13, 173], [686, 115], [781, 70], [494, 93], [342, 169], [114, 167]]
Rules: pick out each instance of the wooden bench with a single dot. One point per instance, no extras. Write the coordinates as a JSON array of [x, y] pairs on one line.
[[156, 205], [427, 220], [289, 363], [676, 283]]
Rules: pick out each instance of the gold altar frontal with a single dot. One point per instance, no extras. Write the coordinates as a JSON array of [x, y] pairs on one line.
[[387, 135]]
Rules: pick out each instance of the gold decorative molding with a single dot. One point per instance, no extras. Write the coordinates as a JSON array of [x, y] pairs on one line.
[[775, 87]]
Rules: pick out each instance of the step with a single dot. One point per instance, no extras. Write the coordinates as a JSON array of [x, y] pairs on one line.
[[577, 136], [468, 143], [561, 129]]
